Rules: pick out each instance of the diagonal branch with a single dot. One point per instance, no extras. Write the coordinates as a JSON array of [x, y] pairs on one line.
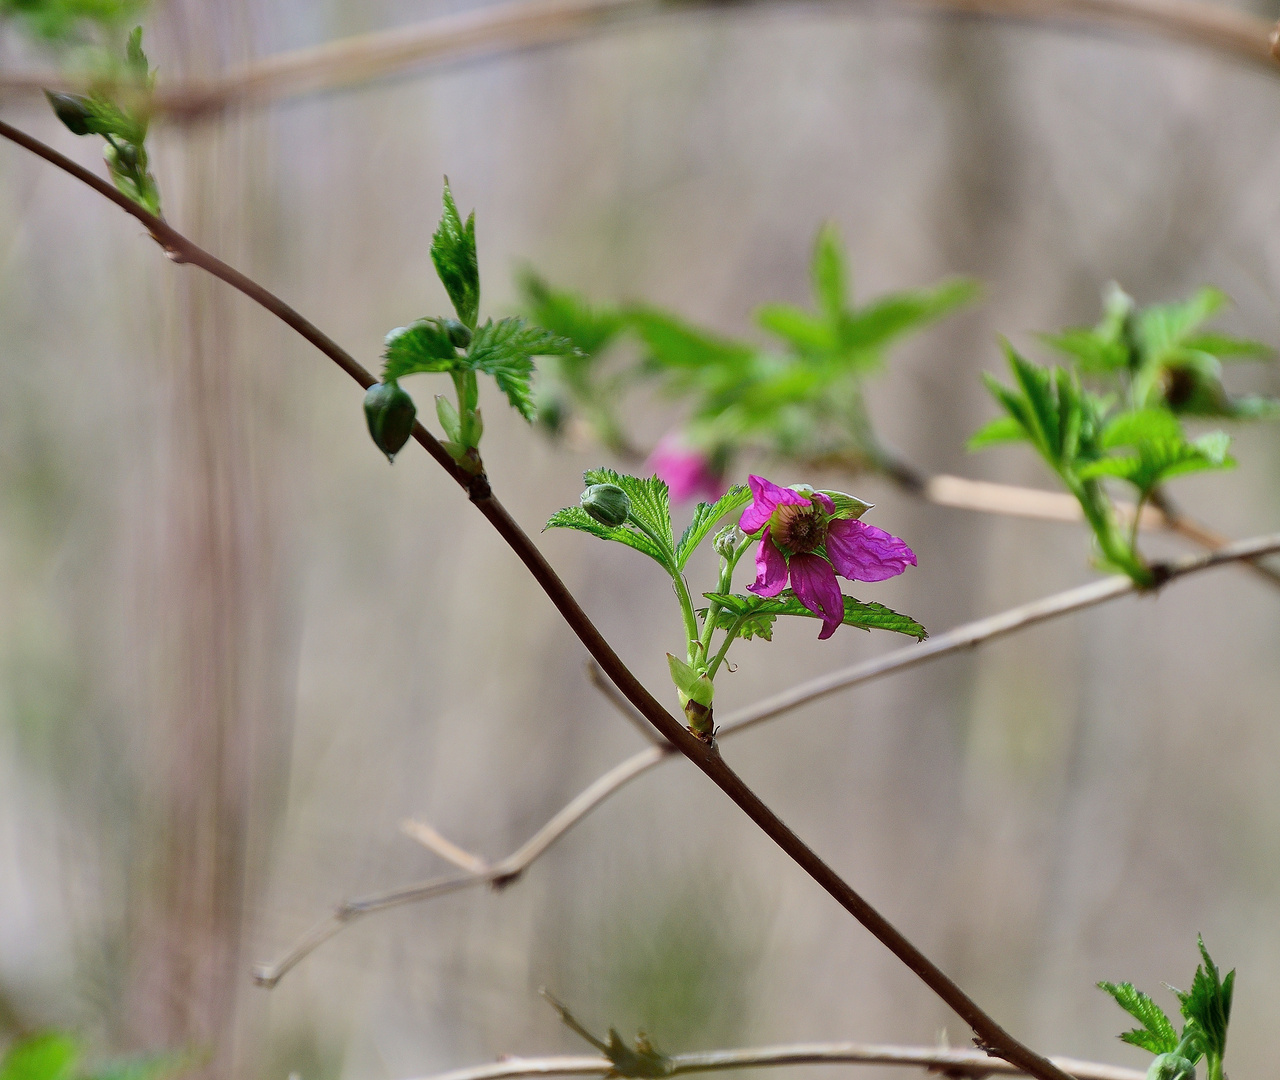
[[512, 26], [954, 1063], [990, 1035], [967, 636]]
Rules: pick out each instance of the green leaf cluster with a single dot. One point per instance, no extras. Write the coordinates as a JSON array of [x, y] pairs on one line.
[[648, 528], [1117, 410], [1206, 1008], [122, 117], [463, 348], [801, 398], [856, 613]]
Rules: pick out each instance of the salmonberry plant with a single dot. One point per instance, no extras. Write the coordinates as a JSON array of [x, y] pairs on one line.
[[1112, 419]]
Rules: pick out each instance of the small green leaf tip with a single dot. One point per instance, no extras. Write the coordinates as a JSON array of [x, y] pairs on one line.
[[607, 503], [390, 413]]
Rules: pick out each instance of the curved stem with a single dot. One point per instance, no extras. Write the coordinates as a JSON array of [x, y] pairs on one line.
[[991, 1036]]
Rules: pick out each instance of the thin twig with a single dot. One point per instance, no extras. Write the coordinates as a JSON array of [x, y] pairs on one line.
[[966, 636], [958, 1062], [425, 835], [990, 1035], [510, 27]]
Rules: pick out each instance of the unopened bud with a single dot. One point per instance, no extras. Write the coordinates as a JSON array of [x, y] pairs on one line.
[[458, 333], [1171, 1067], [390, 413], [607, 503], [726, 541], [73, 110]]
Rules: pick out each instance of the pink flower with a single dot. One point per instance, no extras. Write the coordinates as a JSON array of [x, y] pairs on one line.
[[686, 471], [811, 539]]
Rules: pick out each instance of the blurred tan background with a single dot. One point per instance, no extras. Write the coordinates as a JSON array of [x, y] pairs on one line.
[[236, 649]]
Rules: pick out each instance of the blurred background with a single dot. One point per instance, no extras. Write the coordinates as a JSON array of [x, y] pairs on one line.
[[237, 649]]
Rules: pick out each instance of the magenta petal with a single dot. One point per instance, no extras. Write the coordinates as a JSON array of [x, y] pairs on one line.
[[771, 568], [861, 552], [816, 588], [825, 502], [767, 496]]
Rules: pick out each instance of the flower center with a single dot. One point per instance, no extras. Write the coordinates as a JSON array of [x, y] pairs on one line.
[[799, 529]]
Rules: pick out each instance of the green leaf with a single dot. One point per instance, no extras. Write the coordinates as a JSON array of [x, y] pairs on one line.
[[705, 518], [1157, 1033], [50, 1056], [673, 343], [830, 273], [876, 325], [1228, 348], [693, 684], [421, 346], [1140, 425], [1208, 1004], [591, 329], [574, 517], [506, 349], [1164, 326], [650, 502], [1158, 460], [804, 332], [135, 58], [1092, 351], [453, 250], [856, 613], [1002, 429]]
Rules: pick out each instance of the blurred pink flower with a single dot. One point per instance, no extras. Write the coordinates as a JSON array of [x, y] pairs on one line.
[[796, 525], [686, 471]]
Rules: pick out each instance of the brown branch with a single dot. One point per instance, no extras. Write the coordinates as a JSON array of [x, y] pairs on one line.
[[990, 1035], [509, 27], [949, 1062], [967, 636]]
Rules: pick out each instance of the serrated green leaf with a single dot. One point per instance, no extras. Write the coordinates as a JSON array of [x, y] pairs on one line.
[[423, 346], [673, 343], [453, 250], [797, 327], [856, 613], [1226, 347], [574, 517], [1157, 1033], [1160, 327], [874, 326], [650, 502], [830, 273], [505, 349], [1137, 426], [1092, 351], [1159, 460], [1002, 429], [589, 327], [1208, 1004], [49, 1056], [706, 516]]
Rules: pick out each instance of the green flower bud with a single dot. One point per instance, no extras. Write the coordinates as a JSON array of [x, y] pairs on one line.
[[726, 541], [607, 503], [458, 333], [1171, 1067], [73, 110], [390, 413]]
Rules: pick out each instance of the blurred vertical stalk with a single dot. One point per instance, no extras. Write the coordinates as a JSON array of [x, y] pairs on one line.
[[215, 736]]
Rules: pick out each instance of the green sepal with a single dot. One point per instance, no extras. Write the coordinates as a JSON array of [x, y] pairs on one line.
[[866, 616], [693, 685], [847, 507], [453, 250]]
